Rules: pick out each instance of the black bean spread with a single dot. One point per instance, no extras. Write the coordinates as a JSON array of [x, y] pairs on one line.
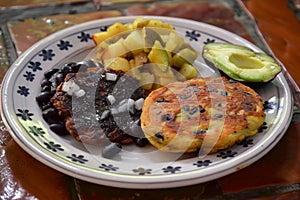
[[92, 104]]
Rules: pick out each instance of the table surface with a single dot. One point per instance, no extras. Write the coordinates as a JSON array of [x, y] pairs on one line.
[[275, 176]]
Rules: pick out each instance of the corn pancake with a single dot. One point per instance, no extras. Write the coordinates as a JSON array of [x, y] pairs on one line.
[[178, 116]]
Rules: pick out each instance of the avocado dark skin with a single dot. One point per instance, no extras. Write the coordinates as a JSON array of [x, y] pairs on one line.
[[241, 63]]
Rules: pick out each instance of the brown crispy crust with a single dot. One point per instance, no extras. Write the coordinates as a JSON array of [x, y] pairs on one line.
[[182, 116]]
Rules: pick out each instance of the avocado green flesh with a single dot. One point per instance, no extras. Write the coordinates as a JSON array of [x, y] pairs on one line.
[[241, 63], [245, 62]]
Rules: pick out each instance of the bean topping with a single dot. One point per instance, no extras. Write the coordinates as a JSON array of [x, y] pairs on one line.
[[160, 100], [224, 93], [193, 111], [44, 97], [46, 88], [202, 110], [141, 142], [186, 96], [59, 128], [50, 113], [186, 108], [48, 74], [159, 135], [199, 132], [45, 82], [218, 116], [167, 117]]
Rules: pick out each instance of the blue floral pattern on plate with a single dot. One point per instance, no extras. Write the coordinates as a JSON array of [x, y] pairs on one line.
[[133, 168]]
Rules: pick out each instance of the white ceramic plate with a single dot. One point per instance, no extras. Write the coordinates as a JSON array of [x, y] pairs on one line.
[[133, 167]]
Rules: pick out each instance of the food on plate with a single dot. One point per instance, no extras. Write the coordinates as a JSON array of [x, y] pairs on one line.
[[241, 63], [118, 27], [131, 47], [180, 116], [142, 86], [89, 100], [93, 104]]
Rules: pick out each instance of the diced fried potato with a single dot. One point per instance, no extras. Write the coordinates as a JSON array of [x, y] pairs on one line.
[[134, 42], [152, 52], [131, 63], [135, 73], [140, 22], [150, 35], [100, 37], [186, 55], [147, 80], [164, 38], [116, 49], [174, 42], [117, 63], [188, 71], [140, 58], [163, 77], [159, 24], [145, 22], [114, 29], [159, 55], [117, 28]]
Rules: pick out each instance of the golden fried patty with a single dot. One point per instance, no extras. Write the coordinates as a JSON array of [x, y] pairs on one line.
[[209, 113]]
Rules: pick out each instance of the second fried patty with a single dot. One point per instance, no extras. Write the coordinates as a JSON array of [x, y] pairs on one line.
[[180, 116]]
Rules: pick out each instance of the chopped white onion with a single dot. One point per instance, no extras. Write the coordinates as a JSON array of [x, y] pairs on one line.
[[104, 114], [130, 105], [114, 111], [139, 103], [71, 88], [79, 93], [111, 99], [111, 77], [124, 101], [122, 108]]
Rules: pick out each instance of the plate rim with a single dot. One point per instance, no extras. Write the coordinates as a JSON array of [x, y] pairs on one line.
[[148, 183]]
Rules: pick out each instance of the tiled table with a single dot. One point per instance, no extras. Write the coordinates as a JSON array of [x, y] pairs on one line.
[[275, 176]]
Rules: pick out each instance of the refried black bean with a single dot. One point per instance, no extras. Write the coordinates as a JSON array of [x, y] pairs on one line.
[[59, 128], [45, 82], [46, 106], [141, 142], [58, 110], [44, 97], [46, 88], [48, 74], [59, 77]]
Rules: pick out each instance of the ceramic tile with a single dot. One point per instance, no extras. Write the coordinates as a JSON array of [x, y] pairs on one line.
[[122, 1], [294, 195], [4, 60], [281, 166], [15, 4], [23, 177], [221, 15], [289, 192], [4, 134], [90, 191], [26, 33], [99, 4], [10, 188], [278, 27]]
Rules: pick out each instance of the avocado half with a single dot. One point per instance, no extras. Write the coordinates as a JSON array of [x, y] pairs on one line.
[[241, 63]]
